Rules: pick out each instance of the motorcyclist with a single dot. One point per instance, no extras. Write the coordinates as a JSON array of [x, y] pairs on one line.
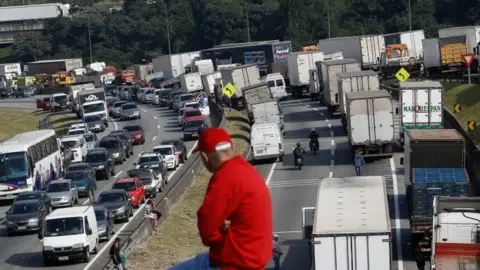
[[298, 152], [313, 136]]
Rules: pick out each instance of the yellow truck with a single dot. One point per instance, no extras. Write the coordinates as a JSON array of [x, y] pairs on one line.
[[444, 55], [25, 81]]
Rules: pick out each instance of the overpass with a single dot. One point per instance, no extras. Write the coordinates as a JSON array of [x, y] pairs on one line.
[[17, 19]]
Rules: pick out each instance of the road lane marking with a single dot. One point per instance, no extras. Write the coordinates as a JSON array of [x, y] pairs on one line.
[[398, 232], [330, 174], [115, 124], [118, 174], [332, 152], [154, 138], [332, 135], [155, 117], [158, 126], [144, 110], [332, 162], [329, 125], [270, 173], [332, 142]]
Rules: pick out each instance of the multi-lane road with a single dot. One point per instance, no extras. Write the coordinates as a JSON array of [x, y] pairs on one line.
[[25, 251]]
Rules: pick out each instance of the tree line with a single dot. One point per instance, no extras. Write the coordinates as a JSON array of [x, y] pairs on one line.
[[138, 32]]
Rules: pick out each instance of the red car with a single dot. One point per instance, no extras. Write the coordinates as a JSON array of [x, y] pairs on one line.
[[137, 134], [134, 188], [43, 104], [190, 114]]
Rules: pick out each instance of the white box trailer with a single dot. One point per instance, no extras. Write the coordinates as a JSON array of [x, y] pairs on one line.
[[316, 87], [208, 82], [413, 41], [14, 68], [240, 76], [266, 141], [173, 65], [369, 120], [299, 66], [191, 82], [365, 49], [267, 112], [356, 81], [350, 224], [257, 93], [330, 70]]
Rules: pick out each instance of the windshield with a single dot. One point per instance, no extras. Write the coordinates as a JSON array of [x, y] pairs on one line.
[[163, 151], [193, 113], [111, 197], [13, 165], [100, 214], [97, 157], [111, 101], [64, 226], [133, 128], [128, 186], [173, 95], [97, 107], [118, 104], [58, 187], [193, 105], [26, 197], [23, 208], [146, 181], [92, 118], [77, 167], [70, 144], [194, 123], [129, 106], [60, 98], [76, 176], [88, 137], [77, 132], [149, 91], [142, 160], [187, 97], [109, 144]]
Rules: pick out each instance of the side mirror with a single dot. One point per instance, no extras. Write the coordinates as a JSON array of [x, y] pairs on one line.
[[40, 234], [401, 161], [89, 231]]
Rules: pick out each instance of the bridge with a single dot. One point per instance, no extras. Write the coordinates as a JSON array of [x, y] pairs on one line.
[[17, 19]]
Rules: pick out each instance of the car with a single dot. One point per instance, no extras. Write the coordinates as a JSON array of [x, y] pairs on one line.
[[116, 108], [126, 140], [81, 180], [36, 195], [91, 139], [140, 93], [192, 114], [153, 183], [20, 93], [130, 111], [134, 187], [163, 95], [63, 193], [44, 104], [179, 146], [105, 222], [110, 100], [78, 131], [77, 144], [180, 115], [5, 93], [59, 102], [137, 133], [25, 216], [79, 126], [80, 166], [191, 128], [156, 96], [102, 162], [126, 94], [180, 98], [115, 147], [169, 154], [118, 202], [151, 160], [95, 123], [147, 97], [171, 98]]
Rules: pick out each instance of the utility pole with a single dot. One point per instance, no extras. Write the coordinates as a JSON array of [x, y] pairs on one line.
[[168, 27], [327, 2], [90, 39], [410, 14], [248, 20]]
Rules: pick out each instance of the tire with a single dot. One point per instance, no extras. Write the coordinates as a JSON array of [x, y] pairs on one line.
[[86, 255], [47, 261], [76, 199], [106, 124], [128, 154], [95, 249], [121, 161], [143, 142]]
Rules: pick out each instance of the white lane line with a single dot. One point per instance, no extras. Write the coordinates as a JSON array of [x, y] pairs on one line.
[[332, 142], [118, 174], [329, 125], [316, 109], [332, 162], [270, 173], [330, 174], [327, 120], [154, 117], [144, 110], [115, 124], [331, 134], [154, 138], [332, 151], [398, 232], [158, 126]]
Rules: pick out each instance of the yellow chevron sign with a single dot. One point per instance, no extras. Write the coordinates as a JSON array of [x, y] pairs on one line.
[[457, 108], [472, 125]]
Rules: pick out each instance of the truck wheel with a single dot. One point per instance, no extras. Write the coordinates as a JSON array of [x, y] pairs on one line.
[[86, 255], [47, 261]]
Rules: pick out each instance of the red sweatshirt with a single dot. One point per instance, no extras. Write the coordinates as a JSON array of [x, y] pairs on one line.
[[237, 192]]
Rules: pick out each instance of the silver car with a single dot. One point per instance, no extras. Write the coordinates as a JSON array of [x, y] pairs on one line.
[[129, 111], [148, 96], [63, 193], [91, 139], [116, 108]]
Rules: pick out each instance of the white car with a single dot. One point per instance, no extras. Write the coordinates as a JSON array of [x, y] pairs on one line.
[[169, 155], [148, 159], [153, 183], [78, 126], [78, 131], [156, 97], [180, 117]]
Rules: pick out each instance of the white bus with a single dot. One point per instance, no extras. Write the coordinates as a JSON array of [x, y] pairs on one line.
[[29, 161]]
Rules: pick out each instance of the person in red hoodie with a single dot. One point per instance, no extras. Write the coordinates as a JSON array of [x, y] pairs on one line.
[[235, 219]]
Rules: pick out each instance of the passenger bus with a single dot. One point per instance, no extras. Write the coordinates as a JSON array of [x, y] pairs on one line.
[[29, 161]]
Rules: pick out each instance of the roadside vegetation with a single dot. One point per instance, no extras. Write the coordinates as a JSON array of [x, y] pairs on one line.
[[177, 238]]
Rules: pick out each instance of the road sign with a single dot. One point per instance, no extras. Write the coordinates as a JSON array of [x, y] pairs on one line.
[[468, 59], [472, 125], [402, 75], [457, 108], [229, 90]]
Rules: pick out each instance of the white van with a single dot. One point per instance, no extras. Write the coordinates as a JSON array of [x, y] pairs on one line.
[[277, 85], [266, 141], [69, 234], [78, 146]]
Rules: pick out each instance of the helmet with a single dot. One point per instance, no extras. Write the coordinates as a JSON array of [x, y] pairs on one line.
[[313, 129], [298, 144], [275, 236]]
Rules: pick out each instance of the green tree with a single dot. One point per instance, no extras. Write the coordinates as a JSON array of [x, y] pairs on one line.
[[30, 46]]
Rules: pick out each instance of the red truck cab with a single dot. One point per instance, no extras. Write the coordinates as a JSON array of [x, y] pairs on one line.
[[43, 103]]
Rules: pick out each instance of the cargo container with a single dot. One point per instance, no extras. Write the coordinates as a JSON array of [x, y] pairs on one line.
[[33, 12], [356, 81], [201, 66], [330, 69], [403, 49], [455, 237], [299, 66], [11, 68], [240, 77], [268, 112], [73, 93], [444, 55], [173, 65], [54, 66], [315, 75], [365, 49], [191, 82], [254, 94], [422, 106], [349, 228], [142, 71], [370, 123], [472, 35], [208, 82], [446, 145]]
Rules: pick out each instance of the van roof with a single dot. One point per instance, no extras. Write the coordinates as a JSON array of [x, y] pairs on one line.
[[68, 212]]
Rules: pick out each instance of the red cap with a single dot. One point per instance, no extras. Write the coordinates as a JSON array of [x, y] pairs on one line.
[[212, 140]]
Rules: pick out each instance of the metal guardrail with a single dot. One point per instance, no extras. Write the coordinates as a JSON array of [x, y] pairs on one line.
[[45, 123]]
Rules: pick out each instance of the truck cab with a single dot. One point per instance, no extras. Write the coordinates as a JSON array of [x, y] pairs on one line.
[[97, 107], [277, 85]]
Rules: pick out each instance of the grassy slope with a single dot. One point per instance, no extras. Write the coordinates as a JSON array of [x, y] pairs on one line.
[[177, 238]]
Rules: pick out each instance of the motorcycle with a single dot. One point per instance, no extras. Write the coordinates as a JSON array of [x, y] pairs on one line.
[[314, 147], [299, 162]]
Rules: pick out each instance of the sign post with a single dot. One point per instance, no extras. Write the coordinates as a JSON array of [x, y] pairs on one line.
[[468, 60]]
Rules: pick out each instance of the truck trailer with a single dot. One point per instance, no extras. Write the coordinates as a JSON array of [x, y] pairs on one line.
[[240, 77], [54, 66], [254, 94], [299, 66], [191, 82], [173, 65], [443, 56], [268, 112], [316, 86], [472, 36], [349, 228], [355, 81], [208, 82], [403, 49]]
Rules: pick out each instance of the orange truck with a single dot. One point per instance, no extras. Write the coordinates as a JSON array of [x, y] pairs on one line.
[[309, 48], [126, 76], [444, 55]]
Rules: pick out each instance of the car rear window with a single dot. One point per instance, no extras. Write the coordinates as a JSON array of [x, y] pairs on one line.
[[188, 97], [193, 113]]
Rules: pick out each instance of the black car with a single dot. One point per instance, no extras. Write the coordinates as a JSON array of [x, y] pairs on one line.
[[101, 161], [22, 92], [4, 93], [163, 96], [105, 222], [36, 195], [117, 202], [180, 146], [80, 166], [25, 216], [80, 179], [191, 129], [123, 135], [115, 147], [171, 98]]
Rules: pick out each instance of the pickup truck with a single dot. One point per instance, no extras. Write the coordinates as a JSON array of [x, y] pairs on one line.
[[43, 104]]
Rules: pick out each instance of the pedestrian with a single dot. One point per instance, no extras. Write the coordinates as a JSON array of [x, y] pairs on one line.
[[152, 214], [115, 254], [277, 252], [202, 128], [92, 186], [419, 258], [235, 218], [358, 162]]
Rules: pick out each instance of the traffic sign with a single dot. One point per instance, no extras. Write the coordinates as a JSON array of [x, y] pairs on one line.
[[402, 75], [472, 125], [468, 59], [229, 90], [457, 108]]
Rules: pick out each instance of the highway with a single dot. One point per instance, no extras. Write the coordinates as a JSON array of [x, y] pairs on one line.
[[24, 251], [291, 189]]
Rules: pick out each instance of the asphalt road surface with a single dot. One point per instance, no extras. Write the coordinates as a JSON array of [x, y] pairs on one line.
[[21, 103], [25, 251], [291, 189]]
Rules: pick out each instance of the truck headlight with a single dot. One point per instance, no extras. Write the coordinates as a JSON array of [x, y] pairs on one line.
[[101, 167], [33, 221], [77, 246], [47, 248], [121, 209]]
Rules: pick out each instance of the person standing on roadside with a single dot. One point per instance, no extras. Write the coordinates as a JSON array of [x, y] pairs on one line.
[[115, 254], [92, 186], [358, 162], [235, 218], [277, 252]]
